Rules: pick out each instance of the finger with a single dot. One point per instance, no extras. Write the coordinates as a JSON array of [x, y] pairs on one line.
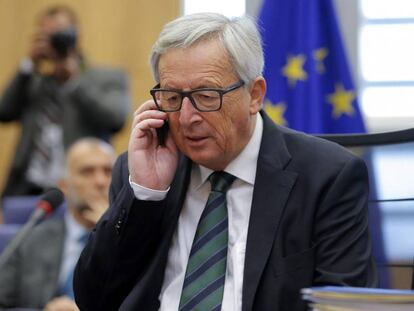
[[40, 37], [144, 133], [89, 215], [40, 43], [93, 216], [98, 205], [148, 114], [148, 105], [147, 125]]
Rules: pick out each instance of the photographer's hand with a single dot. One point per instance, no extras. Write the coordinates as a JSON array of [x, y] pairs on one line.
[[96, 206], [40, 48], [67, 67], [43, 55]]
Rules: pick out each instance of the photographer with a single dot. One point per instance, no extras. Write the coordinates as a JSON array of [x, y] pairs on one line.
[[58, 98]]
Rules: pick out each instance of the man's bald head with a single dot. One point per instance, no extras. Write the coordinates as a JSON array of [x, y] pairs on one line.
[[88, 171], [85, 147]]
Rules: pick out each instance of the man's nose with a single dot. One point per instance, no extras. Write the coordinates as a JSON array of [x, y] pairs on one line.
[[101, 179], [188, 112]]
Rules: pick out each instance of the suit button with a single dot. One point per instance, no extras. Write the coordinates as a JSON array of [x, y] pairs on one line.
[[118, 226], [120, 220]]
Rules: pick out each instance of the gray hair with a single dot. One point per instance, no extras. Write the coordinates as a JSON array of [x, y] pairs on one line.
[[239, 37], [91, 142]]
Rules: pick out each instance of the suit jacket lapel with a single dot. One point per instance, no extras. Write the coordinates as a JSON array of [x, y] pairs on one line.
[[150, 286], [271, 191]]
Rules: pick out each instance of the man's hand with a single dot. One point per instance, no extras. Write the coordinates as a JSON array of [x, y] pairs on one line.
[[62, 303], [63, 68], [41, 48], [151, 165], [96, 208]]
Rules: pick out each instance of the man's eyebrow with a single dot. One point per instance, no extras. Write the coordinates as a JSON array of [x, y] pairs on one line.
[[202, 86]]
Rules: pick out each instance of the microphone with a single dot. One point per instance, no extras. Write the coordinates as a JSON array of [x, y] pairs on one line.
[[47, 204]]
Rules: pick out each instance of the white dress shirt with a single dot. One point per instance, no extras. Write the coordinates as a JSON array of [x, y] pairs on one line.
[[239, 200]]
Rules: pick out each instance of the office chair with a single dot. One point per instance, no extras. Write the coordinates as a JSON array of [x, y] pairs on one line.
[[390, 161], [17, 209]]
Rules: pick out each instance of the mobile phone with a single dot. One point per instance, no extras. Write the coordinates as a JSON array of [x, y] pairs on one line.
[[162, 133]]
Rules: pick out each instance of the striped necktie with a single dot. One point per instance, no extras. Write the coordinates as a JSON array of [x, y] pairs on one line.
[[206, 269]]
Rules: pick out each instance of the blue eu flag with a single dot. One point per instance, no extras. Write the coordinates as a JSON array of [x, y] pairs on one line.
[[309, 83]]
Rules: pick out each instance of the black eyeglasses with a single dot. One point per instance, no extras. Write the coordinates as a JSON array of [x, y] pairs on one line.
[[205, 99]]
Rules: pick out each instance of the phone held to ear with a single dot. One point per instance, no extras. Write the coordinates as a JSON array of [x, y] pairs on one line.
[[162, 133]]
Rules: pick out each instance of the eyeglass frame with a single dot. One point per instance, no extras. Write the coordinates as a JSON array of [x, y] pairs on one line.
[[188, 94]]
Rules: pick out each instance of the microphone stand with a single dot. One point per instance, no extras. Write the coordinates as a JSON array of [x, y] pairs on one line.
[[20, 236]]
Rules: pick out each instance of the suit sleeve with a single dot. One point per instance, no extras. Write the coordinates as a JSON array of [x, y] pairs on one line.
[[8, 282], [343, 243], [14, 98], [120, 247], [102, 96]]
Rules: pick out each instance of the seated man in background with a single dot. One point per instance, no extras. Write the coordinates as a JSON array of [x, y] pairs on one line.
[[58, 98], [40, 273]]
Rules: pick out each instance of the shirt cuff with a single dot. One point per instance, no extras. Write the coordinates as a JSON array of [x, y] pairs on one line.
[[26, 66], [147, 194]]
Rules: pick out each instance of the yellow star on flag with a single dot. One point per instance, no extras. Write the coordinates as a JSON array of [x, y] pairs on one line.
[[293, 70], [276, 112], [341, 101], [319, 55]]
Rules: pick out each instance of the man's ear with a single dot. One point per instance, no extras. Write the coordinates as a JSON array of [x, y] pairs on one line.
[[257, 94]]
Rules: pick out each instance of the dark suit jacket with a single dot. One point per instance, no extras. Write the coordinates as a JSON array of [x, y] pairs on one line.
[[96, 104], [30, 278], [308, 226]]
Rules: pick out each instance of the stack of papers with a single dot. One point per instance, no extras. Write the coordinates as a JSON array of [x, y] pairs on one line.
[[333, 298]]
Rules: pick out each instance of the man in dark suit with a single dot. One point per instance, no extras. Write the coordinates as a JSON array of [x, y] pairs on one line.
[[40, 273], [230, 211], [58, 98]]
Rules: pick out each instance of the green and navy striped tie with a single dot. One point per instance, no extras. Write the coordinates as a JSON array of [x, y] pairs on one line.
[[206, 269]]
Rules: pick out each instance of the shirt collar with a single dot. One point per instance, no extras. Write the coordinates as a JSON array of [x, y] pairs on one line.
[[241, 166]]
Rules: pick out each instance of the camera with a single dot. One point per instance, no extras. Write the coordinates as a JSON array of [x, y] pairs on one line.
[[63, 41]]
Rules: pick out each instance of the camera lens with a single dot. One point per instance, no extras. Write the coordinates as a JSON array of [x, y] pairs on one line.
[[63, 41]]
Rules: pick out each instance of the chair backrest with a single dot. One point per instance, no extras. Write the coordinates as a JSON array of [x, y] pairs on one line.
[[17, 209], [390, 161], [7, 232]]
